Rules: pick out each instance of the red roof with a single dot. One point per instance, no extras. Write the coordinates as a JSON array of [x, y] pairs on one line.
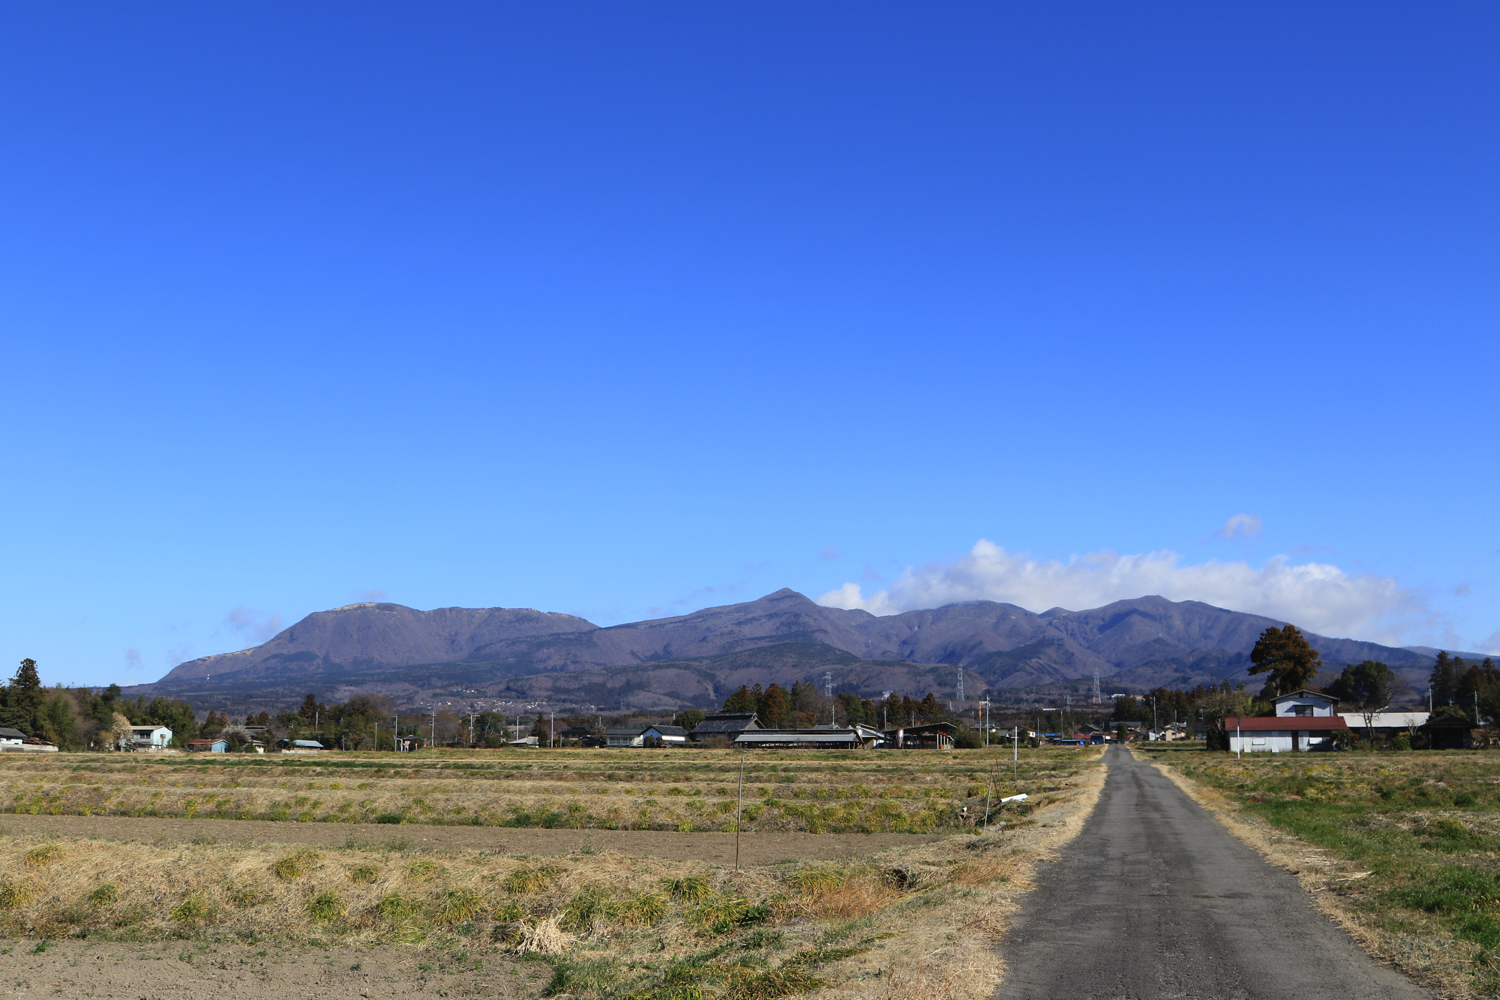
[[1285, 724]]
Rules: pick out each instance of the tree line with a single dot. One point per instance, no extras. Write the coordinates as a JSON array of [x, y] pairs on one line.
[[804, 706]]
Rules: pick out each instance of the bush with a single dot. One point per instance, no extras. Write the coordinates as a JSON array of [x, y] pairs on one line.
[[1401, 741], [325, 907], [104, 895], [294, 865]]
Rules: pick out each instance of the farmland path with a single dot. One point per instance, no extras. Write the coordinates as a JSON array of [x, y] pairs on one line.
[[1155, 899]]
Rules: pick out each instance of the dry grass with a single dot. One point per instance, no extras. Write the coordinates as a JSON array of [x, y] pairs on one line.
[[681, 790], [912, 921]]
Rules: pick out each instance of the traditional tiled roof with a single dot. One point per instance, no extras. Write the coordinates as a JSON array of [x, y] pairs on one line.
[[726, 722]]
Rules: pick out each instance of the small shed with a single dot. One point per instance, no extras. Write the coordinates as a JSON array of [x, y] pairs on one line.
[[1449, 731], [11, 738], [208, 746]]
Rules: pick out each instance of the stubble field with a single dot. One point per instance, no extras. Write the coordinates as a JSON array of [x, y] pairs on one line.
[[582, 919]]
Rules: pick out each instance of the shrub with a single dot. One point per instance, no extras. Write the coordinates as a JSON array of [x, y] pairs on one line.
[[524, 880], [294, 865], [396, 908], [421, 868], [644, 910], [811, 881], [104, 895], [363, 874], [326, 907], [40, 857], [189, 910], [460, 905], [14, 895], [690, 889]]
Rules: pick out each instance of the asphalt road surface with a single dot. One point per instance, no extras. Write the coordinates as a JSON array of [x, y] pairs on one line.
[[1155, 899]]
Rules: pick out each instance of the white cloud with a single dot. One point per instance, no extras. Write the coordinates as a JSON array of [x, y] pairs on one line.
[[1316, 596], [1241, 526], [258, 625]]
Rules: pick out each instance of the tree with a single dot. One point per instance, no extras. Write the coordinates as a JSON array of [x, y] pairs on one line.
[[929, 707], [688, 718], [775, 708], [119, 731], [741, 701], [1366, 688], [1287, 657], [1444, 679]]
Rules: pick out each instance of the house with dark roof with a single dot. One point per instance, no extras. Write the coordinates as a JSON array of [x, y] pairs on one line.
[[730, 724]]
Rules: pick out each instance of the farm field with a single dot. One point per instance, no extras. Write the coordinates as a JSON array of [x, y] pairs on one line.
[[1404, 847], [405, 916], [682, 790]]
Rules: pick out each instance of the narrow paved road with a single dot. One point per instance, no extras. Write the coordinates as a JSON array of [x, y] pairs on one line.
[[1155, 899]]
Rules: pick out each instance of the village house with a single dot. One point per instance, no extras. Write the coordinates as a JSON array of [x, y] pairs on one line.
[[640, 736], [1304, 720], [150, 737], [726, 724], [208, 746]]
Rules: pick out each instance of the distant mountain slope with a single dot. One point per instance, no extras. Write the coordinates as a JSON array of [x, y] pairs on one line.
[[378, 635], [470, 655]]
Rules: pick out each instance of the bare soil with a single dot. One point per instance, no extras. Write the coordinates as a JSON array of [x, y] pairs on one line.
[[192, 971], [717, 848]]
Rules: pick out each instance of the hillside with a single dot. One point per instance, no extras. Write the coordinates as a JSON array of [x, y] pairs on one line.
[[466, 657]]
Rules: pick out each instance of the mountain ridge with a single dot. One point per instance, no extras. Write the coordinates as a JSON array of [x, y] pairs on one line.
[[466, 656]]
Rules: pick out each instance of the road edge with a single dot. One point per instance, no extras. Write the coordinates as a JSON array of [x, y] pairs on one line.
[[1316, 870], [950, 952]]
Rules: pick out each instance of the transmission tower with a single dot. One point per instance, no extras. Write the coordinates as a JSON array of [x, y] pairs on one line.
[[828, 684], [1098, 698], [961, 688]]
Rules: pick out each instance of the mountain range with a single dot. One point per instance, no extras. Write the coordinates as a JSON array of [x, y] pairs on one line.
[[473, 659]]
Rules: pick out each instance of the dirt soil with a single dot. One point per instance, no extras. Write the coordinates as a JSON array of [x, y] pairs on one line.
[[177, 970], [718, 848]]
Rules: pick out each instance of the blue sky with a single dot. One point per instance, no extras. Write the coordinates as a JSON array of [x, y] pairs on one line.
[[624, 310]]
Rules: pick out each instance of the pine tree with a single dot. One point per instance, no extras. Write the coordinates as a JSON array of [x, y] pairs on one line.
[[1444, 680], [1287, 657]]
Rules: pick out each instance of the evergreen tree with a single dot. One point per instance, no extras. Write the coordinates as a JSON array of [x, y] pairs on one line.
[[741, 701], [1444, 680], [775, 708], [1287, 657]]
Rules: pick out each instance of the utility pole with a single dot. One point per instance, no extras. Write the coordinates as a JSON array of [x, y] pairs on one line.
[[552, 733], [1015, 735], [739, 811], [395, 732], [432, 742], [986, 704]]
